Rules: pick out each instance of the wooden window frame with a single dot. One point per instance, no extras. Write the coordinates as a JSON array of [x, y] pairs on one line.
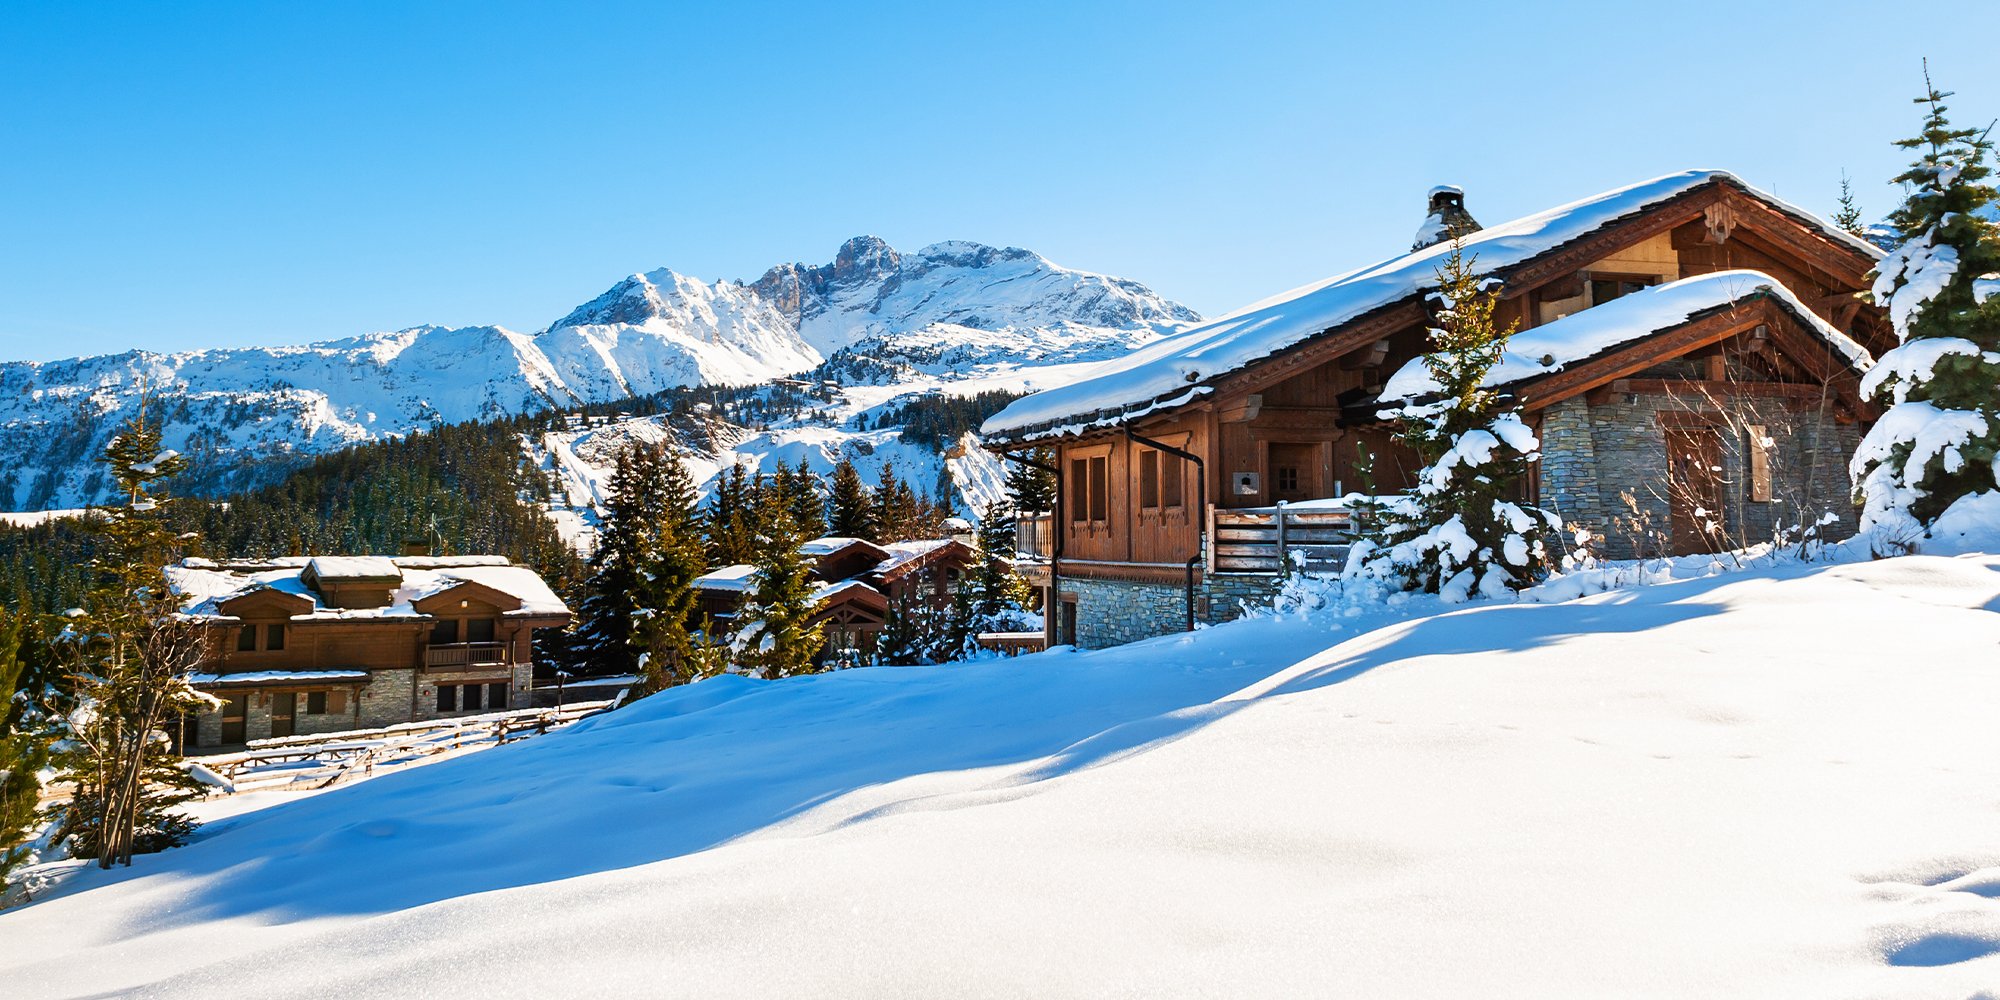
[[1168, 489], [1590, 279], [1090, 494]]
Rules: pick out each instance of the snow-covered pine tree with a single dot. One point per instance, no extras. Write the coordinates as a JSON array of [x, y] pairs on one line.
[[24, 733], [776, 636], [1939, 439], [992, 597], [1461, 533], [667, 561], [130, 655], [1848, 215], [850, 514]]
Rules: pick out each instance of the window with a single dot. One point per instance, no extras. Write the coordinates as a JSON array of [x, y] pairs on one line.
[[447, 697], [274, 637], [246, 639], [444, 633], [315, 702], [1610, 287], [496, 696], [1287, 477], [471, 703], [479, 630], [1089, 486], [1159, 480]]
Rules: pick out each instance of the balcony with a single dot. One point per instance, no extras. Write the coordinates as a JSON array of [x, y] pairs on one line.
[[1314, 537], [1034, 536], [455, 655]]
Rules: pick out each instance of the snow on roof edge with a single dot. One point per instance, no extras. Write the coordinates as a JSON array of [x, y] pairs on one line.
[[1588, 334]]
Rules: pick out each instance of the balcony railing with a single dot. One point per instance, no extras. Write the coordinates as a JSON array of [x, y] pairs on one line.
[[465, 654], [1034, 536], [1265, 539]]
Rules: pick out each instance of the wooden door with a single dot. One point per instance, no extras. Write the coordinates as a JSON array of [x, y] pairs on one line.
[[284, 708], [1694, 489], [1294, 472], [234, 710]]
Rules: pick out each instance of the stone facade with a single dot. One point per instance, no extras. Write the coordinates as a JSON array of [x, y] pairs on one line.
[[1594, 455], [1114, 612], [390, 697]]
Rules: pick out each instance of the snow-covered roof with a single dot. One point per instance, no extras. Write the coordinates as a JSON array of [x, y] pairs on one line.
[[905, 552], [826, 546], [1550, 347], [205, 585], [830, 591], [354, 568], [1176, 370], [276, 677], [740, 577]]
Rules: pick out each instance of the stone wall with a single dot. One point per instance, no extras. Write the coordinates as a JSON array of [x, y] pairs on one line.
[[1594, 455], [1114, 612], [386, 700]]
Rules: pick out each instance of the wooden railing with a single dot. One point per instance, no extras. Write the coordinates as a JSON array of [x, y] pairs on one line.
[[1034, 536], [465, 654], [1266, 539]]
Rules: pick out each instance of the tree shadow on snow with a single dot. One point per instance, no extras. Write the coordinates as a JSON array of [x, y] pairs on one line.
[[697, 767]]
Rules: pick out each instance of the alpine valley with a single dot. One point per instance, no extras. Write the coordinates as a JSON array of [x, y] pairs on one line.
[[841, 350]]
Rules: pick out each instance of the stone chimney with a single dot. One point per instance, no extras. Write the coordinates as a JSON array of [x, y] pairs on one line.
[[1447, 218]]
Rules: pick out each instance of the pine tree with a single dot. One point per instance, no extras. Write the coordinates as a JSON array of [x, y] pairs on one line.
[[897, 515], [992, 597], [1848, 216], [24, 733], [1032, 489], [667, 561], [130, 656], [1939, 438], [601, 642], [776, 636], [1460, 534], [850, 516], [731, 538], [799, 490]]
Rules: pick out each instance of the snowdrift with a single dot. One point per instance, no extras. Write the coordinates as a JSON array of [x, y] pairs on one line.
[[1783, 783]]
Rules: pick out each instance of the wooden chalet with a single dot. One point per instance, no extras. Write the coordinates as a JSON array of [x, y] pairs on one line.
[[1689, 353], [326, 644], [858, 582]]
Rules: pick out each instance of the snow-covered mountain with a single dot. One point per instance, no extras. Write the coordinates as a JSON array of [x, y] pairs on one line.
[[944, 314]]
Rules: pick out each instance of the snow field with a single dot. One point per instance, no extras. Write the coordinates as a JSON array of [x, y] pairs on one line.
[[1778, 783]]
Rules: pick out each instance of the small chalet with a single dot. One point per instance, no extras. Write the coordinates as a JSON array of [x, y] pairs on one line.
[[331, 643], [1689, 352], [858, 581]]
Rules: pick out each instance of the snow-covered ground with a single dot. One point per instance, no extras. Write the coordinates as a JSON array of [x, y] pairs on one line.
[[1776, 783]]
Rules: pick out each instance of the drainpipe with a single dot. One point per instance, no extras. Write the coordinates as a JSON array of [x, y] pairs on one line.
[[1052, 606], [1201, 508]]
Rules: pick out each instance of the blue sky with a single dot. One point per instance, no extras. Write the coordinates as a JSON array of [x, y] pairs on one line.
[[192, 175]]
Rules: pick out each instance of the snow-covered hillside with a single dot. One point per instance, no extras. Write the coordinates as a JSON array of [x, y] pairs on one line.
[[950, 309], [1775, 784]]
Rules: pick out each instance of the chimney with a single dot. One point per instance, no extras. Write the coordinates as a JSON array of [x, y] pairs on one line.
[[1447, 219]]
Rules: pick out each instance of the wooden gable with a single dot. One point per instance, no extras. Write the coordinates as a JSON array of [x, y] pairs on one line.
[[467, 596], [266, 602]]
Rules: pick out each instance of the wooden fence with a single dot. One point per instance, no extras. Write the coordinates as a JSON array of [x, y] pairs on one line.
[[1265, 539], [324, 759]]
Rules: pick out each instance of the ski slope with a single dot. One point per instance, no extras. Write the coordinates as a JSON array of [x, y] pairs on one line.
[[1776, 783]]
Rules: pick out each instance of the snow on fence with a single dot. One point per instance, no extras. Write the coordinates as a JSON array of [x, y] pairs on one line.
[[324, 759]]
